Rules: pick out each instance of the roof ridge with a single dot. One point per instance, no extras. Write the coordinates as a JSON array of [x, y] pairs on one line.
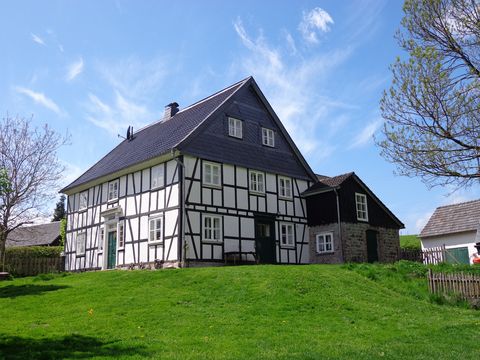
[[457, 204]]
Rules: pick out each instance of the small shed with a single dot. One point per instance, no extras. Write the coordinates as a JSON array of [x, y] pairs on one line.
[[349, 223], [457, 227], [35, 235]]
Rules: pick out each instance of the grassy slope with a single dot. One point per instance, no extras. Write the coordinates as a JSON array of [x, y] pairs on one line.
[[261, 312], [410, 242]]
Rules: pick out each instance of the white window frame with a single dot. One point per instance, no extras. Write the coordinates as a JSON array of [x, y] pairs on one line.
[[120, 235], [361, 206], [321, 241], [257, 185], [153, 239], [209, 231], [80, 239], [157, 176], [285, 191], [287, 235], [83, 200], [235, 128], [268, 137], [208, 177], [101, 239], [112, 194]]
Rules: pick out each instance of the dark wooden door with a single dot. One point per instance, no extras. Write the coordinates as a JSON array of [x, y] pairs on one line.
[[265, 241], [372, 246], [112, 250]]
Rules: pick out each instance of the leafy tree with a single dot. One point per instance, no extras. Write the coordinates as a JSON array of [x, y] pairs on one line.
[[31, 171], [431, 111], [59, 212]]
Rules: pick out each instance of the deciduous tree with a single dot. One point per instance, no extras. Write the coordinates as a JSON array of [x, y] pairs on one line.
[[432, 109], [28, 157]]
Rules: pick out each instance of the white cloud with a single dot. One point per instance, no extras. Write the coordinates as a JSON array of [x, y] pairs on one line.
[[315, 21], [40, 99], [364, 137], [116, 117], [37, 39], [292, 86], [137, 78], [74, 69], [131, 86]]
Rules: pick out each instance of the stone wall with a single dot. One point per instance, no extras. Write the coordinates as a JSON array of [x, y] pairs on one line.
[[353, 245], [332, 258]]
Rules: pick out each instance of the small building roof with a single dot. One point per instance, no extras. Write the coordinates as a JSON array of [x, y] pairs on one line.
[[35, 235], [331, 183], [452, 219]]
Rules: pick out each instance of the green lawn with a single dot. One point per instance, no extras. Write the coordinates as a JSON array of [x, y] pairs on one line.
[[410, 242], [243, 312]]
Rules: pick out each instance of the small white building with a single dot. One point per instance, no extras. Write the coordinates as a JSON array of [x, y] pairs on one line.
[[455, 226]]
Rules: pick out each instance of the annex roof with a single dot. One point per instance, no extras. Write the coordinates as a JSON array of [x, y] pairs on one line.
[[35, 235], [452, 219], [329, 183]]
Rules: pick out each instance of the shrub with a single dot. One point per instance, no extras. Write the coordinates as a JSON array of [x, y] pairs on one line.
[[34, 251]]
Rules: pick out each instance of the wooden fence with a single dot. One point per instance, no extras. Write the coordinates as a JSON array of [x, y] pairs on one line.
[[429, 256], [467, 286], [20, 266], [411, 255]]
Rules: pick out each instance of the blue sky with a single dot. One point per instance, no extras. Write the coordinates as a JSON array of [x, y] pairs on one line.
[[93, 68]]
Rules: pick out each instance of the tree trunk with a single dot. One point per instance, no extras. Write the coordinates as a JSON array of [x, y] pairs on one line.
[[3, 240]]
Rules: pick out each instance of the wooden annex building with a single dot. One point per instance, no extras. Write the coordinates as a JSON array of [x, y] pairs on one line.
[[218, 180]]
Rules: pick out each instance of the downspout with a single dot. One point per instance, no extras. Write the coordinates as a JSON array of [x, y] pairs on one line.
[[338, 220], [181, 237]]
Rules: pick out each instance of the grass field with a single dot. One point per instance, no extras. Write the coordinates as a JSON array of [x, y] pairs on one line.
[[243, 312], [410, 242]]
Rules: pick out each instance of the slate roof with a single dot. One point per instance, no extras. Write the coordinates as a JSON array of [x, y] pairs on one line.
[[452, 219], [35, 235], [158, 138]]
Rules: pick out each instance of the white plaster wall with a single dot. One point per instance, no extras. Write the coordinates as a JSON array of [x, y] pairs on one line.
[[464, 239]]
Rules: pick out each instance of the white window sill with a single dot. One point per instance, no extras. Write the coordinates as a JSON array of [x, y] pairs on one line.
[[259, 193], [285, 197], [363, 220], [213, 186], [212, 241], [287, 246], [325, 252], [154, 243]]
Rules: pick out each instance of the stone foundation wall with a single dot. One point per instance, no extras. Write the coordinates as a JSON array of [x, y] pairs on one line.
[[355, 238], [353, 245]]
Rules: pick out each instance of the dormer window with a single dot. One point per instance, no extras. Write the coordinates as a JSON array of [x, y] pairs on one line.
[[235, 127], [268, 137], [362, 210]]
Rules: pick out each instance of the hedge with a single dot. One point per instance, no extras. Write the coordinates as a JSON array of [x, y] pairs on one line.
[[34, 251]]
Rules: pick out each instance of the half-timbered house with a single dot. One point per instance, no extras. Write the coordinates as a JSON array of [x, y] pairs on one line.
[[216, 180]]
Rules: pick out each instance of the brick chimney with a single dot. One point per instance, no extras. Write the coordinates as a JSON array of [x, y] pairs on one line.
[[170, 110]]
